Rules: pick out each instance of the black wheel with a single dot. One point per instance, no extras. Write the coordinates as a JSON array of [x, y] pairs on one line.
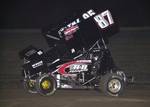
[[46, 85], [112, 84], [29, 85]]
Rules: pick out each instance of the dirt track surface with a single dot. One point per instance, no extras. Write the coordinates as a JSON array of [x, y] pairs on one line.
[[130, 50], [135, 95]]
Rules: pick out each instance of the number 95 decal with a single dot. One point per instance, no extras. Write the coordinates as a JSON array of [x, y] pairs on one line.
[[104, 19]]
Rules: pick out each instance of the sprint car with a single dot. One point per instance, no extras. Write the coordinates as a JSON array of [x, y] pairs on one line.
[[78, 57]]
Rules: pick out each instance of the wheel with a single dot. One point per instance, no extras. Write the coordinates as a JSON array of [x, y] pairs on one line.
[[112, 84], [29, 85], [46, 85]]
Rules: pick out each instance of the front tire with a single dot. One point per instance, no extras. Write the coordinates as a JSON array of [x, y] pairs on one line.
[[112, 84], [46, 85]]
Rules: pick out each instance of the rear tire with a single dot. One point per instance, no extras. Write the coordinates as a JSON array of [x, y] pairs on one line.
[[112, 84], [46, 85], [29, 85]]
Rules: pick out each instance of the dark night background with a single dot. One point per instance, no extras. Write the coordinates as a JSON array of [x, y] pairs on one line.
[[22, 20], [39, 13]]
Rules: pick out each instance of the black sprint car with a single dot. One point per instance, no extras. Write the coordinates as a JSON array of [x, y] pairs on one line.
[[78, 57]]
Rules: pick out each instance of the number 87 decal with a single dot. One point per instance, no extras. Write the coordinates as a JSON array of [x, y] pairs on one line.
[[102, 21]]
